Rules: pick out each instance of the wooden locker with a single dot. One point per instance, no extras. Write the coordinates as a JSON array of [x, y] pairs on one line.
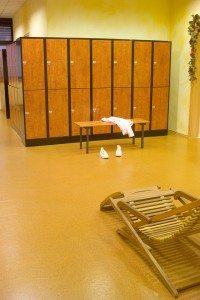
[[80, 63], [101, 108], [121, 104], [33, 63], [122, 63], [4, 99], [35, 114], [11, 95], [15, 76], [80, 108], [57, 66], [8, 50], [159, 118], [141, 105], [142, 64], [10, 62], [161, 64], [16, 108], [58, 113], [20, 111], [101, 63], [2, 86]]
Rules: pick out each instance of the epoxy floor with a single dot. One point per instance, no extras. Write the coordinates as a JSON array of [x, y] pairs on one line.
[[55, 243]]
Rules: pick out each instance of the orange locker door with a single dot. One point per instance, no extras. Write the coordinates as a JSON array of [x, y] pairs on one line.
[[80, 63], [80, 108], [141, 105], [142, 64], [58, 113], [35, 114], [33, 63], [159, 119], [57, 71], [121, 104], [122, 63], [161, 64], [101, 63], [101, 108]]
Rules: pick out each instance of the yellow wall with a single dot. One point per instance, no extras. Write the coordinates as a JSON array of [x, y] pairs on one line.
[[181, 12], [144, 19], [31, 19], [134, 19]]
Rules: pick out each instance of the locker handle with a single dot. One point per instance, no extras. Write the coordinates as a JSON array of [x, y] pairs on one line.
[[94, 110], [153, 106], [24, 62], [26, 113], [115, 61], [155, 62], [94, 61], [48, 62], [72, 110], [50, 111], [134, 107], [135, 62], [71, 62], [115, 108]]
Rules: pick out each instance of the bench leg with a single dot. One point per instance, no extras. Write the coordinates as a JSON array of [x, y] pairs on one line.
[[133, 140], [142, 136], [87, 139], [81, 138]]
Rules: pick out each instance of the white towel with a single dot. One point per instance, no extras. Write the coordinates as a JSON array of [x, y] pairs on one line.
[[124, 125]]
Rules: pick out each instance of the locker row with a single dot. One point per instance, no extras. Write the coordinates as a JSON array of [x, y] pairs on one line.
[[60, 81]]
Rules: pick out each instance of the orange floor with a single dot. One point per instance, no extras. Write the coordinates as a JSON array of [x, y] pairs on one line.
[[55, 244]]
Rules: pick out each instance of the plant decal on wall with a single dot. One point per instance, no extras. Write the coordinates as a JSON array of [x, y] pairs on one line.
[[193, 30]]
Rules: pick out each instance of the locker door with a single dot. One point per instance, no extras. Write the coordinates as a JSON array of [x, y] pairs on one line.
[[16, 108], [58, 113], [160, 108], [121, 104], [142, 64], [122, 63], [9, 50], [80, 108], [2, 88], [35, 114], [80, 63], [15, 76], [101, 108], [33, 63], [141, 105], [11, 96], [101, 63], [57, 72], [161, 64]]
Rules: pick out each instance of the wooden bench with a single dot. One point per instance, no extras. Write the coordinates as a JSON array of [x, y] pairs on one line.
[[87, 125]]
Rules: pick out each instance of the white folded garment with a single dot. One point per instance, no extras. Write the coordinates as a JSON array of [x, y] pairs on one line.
[[124, 125]]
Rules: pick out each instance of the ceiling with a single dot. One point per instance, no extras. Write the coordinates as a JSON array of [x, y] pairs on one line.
[[8, 8]]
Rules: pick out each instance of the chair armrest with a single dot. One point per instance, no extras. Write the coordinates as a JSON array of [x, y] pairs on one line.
[[176, 211], [123, 205], [179, 195], [106, 204]]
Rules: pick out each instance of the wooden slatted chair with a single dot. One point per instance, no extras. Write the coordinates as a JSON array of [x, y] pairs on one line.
[[160, 222]]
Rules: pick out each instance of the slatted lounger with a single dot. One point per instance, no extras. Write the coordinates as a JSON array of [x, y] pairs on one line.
[[160, 223]]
